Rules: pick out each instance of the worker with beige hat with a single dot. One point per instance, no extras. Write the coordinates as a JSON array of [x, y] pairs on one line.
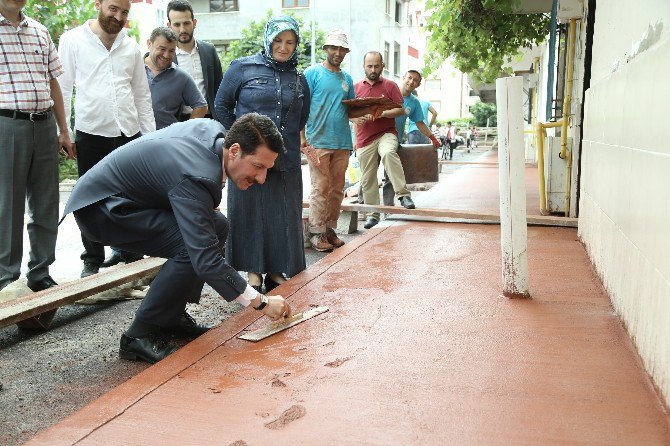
[[327, 130]]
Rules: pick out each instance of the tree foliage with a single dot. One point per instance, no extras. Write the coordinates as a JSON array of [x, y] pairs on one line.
[[59, 16], [252, 42], [480, 35], [484, 113]]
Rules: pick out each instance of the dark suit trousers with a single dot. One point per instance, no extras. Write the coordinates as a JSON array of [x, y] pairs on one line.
[[91, 149], [152, 232]]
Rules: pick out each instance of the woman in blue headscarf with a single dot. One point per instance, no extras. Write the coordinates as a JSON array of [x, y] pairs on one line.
[[265, 234]]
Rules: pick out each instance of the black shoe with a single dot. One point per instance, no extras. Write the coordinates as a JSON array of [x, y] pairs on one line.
[[90, 268], [270, 284], [407, 202], [113, 259], [117, 257], [42, 284], [186, 328], [151, 348], [370, 222]]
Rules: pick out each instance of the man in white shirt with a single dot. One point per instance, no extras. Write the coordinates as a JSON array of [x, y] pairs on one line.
[[197, 57], [113, 101]]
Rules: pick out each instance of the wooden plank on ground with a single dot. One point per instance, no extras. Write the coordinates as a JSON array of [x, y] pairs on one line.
[[276, 327], [432, 214], [17, 310]]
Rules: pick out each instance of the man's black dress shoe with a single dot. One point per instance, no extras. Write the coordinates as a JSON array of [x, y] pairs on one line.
[[370, 222], [117, 257], [90, 268], [42, 284], [186, 328], [113, 259], [151, 348], [407, 202]]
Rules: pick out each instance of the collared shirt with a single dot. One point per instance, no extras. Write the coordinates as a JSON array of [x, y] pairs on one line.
[[373, 130], [28, 62], [170, 89], [113, 94], [190, 62]]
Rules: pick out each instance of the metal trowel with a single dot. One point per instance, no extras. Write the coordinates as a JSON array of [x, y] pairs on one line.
[[281, 325]]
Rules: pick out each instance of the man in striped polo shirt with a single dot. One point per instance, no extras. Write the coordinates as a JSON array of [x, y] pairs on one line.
[[30, 99]]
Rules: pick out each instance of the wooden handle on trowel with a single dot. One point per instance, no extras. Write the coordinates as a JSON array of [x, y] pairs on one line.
[[281, 325]]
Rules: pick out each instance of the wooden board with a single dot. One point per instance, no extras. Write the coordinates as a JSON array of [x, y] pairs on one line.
[[367, 102], [433, 214], [276, 327], [34, 304]]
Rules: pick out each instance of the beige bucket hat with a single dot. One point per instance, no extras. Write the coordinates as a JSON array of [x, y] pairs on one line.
[[336, 37]]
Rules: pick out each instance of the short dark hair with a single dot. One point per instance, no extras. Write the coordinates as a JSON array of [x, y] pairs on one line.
[[373, 52], [415, 72], [164, 31], [252, 130], [179, 5]]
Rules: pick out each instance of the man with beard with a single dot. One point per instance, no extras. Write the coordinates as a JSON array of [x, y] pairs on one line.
[[171, 87], [377, 137], [113, 101], [328, 131], [197, 57], [159, 195]]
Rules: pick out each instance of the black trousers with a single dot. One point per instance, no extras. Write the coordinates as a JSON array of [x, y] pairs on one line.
[[91, 149], [154, 232]]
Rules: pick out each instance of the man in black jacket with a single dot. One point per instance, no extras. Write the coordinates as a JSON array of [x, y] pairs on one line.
[[197, 57], [158, 195]]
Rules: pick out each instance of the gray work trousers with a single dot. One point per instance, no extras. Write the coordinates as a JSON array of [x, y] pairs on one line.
[[28, 169]]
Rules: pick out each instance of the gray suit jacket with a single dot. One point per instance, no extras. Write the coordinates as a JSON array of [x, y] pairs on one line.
[[177, 169]]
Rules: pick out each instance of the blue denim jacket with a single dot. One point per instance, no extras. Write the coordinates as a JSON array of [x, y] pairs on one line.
[[250, 85]]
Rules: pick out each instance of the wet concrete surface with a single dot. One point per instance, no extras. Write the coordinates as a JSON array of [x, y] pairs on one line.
[[45, 377], [418, 347]]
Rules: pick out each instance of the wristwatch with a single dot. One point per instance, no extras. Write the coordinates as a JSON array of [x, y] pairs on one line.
[[264, 302]]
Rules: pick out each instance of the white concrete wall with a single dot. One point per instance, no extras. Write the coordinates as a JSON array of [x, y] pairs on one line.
[[148, 16], [624, 216]]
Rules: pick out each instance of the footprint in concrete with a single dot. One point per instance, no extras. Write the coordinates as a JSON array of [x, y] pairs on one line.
[[338, 362], [291, 414], [278, 383]]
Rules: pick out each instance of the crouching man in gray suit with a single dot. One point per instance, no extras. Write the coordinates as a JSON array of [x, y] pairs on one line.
[[158, 195]]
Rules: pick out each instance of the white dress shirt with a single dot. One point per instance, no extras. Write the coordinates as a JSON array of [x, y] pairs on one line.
[[190, 62], [112, 90]]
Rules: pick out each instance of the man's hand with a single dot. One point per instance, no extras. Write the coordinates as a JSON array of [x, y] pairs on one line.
[[310, 153], [361, 119], [277, 308], [66, 147], [435, 142]]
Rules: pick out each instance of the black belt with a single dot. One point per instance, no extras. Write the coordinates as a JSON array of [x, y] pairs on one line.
[[15, 114]]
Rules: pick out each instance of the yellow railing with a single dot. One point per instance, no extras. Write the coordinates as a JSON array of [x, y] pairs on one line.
[[541, 130]]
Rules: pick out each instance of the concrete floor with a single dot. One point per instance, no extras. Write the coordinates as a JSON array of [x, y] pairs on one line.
[[418, 347]]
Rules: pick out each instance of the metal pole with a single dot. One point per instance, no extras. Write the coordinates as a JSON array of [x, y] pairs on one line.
[[511, 160], [313, 26], [552, 57]]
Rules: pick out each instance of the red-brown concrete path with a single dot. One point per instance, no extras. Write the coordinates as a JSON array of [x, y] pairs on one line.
[[418, 348]]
